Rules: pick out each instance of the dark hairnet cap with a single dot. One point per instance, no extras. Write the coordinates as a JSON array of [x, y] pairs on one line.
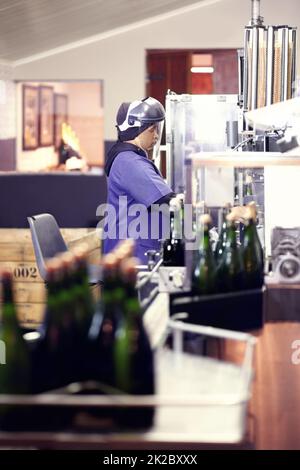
[[132, 132], [122, 113]]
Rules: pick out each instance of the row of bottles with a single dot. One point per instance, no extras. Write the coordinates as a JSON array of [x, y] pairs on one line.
[[78, 340], [232, 267], [60, 351], [121, 354]]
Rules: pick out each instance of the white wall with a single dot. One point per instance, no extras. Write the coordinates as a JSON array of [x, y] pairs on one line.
[[7, 103], [120, 60], [86, 119]]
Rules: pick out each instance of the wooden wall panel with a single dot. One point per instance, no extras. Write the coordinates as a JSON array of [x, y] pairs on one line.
[[225, 76]]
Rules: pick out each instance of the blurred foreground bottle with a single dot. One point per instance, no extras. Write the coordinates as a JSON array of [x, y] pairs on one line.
[[101, 335], [204, 277], [14, 360], [133, 356], [83, 298], [104, 325], [73, 360], [49, 354], [15, 367], [120, 354]]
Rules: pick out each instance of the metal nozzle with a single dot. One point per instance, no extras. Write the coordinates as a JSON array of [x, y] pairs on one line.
[[256, 19]]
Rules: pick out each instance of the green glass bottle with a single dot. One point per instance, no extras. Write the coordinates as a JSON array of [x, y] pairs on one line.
[[72, 360], [252, 251], [133, 356], [173, 247], [15, 365], [204, 276], [49, 355], [84, 302], [181, 198], [15, 371], [231, 267], [104, 325], [107, 315], [221, 243]]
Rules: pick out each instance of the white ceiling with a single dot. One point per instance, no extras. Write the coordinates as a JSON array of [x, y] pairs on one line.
[[29, 27]]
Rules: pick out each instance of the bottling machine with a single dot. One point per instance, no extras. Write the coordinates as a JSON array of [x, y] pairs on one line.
[[198, 125], [201, 123]]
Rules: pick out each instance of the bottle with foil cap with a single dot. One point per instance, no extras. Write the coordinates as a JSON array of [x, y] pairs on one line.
[[49, 357], [221, 243], [180, 197], [15, 364], [84, 302], [15, 360], [204, 278], [231, 267], [104, 325], [252, 251], [72, 322], [133, 356], [173, 247]]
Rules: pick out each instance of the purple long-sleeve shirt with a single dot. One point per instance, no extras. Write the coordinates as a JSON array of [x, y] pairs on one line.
[[133, 179]]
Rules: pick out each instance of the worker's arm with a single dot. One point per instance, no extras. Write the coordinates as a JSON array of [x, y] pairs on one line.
[[137, 176], [163, 200]]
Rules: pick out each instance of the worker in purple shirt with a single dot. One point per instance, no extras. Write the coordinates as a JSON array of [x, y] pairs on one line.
[[135, 186]]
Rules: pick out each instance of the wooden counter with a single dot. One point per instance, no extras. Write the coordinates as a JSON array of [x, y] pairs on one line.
[[276, 392], [274, 409]]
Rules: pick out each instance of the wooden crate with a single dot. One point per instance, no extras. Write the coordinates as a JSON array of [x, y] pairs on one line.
[[17, 255], [31, 314], [16, 244]]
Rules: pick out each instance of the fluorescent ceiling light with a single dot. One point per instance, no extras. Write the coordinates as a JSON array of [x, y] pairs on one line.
[[202, 69]]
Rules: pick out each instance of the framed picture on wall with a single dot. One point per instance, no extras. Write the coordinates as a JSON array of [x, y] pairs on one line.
[[46, 116], [60, 116], [30, 113]]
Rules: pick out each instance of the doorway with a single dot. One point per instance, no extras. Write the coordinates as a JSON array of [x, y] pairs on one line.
[[207, 71]]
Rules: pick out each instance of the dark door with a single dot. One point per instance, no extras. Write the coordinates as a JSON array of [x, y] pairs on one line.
[[167, 70]]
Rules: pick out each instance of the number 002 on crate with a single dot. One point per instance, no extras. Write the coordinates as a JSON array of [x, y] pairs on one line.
[[17, 255]]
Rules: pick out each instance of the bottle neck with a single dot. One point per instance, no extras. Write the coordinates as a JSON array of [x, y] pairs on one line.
[[9, 313], [113, 294], [206, 241], [250, 232], [175, 225], [7, 291], [205, 245], [231, 236], [132, 308]]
